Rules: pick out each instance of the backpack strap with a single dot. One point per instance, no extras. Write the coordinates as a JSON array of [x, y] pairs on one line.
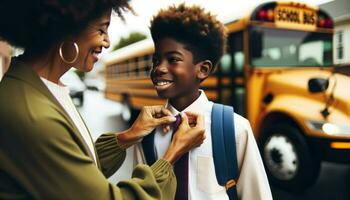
[[224, 148], [149, 149]]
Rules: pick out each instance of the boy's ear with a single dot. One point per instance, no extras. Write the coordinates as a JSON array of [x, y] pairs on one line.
[[205, 68]]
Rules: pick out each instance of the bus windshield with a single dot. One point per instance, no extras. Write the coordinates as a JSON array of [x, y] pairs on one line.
[[272, 47]]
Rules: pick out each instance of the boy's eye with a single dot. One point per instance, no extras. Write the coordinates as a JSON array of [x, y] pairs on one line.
[[173, 60]]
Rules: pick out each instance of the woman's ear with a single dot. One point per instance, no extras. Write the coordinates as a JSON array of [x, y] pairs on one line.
[[204, 69]]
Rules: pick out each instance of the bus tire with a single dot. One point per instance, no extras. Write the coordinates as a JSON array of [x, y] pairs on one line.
[[288, 160]]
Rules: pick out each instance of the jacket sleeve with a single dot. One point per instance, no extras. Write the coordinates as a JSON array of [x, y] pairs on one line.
[[45, 159], [110, 154]]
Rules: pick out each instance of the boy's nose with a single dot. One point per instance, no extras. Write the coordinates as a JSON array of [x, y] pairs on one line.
[[160, 69]]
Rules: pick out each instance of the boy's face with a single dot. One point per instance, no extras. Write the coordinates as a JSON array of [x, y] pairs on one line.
[[174, 75]]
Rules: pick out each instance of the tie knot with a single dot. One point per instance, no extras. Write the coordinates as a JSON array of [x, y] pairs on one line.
[[177, 122]]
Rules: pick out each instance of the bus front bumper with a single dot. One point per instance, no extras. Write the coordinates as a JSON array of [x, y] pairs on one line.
[[333, 150]]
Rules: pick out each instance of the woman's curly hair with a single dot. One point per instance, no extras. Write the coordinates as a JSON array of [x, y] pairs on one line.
[[38, 24], [201, 32]]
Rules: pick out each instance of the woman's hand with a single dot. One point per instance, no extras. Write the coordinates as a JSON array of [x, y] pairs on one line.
[[148, 119], [190, 134]]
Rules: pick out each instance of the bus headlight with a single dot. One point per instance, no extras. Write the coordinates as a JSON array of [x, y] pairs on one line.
[[330, 128]]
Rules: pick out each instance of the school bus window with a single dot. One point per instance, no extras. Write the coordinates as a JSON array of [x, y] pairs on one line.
[[141, 68], [235, 46], [132, 68], [279, 47], [136, 65], [339, 42], [146, 60], [240, 100], [127, 74], [149, 64], [226, 63], [115, 70], [239, 62]]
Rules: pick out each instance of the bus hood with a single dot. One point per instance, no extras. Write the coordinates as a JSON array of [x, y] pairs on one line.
[[295, 82]]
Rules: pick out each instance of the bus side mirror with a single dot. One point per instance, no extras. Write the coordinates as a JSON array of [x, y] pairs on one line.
[[257, 46], [316, 85]]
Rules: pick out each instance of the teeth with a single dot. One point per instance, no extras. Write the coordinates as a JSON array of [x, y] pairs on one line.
[[163, 83]]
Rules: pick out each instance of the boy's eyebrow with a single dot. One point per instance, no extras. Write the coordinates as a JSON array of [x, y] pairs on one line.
[[173, 52], [156, 55]]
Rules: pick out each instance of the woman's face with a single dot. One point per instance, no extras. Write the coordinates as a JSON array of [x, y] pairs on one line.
[[91, 42]]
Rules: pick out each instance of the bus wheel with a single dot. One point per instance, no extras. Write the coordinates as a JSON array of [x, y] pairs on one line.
[[288, 160]]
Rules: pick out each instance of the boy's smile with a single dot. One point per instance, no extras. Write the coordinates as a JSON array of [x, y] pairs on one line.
[[174, 75], [160, 84]]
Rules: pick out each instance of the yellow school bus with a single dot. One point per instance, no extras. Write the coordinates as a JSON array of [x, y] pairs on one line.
[[278, 73]]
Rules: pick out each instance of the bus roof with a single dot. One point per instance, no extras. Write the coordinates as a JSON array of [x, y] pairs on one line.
[[137, 49]]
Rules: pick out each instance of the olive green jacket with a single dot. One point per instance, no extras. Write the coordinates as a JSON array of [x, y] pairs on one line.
[[43, 155]]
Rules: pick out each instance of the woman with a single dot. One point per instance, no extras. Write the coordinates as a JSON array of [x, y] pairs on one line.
[[46, 151]]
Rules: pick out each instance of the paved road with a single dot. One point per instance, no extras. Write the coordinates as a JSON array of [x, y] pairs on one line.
[[102, 116]]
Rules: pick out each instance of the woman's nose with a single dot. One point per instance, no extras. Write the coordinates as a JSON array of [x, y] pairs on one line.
[[106, 41]]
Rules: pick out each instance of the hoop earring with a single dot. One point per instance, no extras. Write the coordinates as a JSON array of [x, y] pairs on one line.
[[75, 57]]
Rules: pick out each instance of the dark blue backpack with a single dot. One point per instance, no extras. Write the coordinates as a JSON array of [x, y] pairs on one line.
[[224, 148], [223, 144]]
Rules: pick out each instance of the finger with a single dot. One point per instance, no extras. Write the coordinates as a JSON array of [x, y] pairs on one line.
[[184, 120], [192, 120], [165, 120], [200, 121], [192, 114], [158, 115], [166, 112], [167, 128], [155, 110]]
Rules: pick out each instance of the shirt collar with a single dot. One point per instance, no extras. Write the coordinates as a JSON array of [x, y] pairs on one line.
[[198, 106]]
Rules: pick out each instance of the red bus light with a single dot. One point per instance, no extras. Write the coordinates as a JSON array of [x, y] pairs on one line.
[[328, 23], [262, 14], [322, 22], [270, 15]]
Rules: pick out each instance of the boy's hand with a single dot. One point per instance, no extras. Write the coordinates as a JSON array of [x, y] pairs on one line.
[[148, 119]]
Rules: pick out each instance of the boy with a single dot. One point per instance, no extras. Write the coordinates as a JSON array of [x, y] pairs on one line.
[[189, 43]]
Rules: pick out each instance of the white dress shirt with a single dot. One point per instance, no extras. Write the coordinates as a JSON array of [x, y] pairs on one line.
[[252, 183]]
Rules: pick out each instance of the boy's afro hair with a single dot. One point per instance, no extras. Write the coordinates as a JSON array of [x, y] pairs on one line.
[[200, 30]]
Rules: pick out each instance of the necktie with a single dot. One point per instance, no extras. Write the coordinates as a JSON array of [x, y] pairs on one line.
[[181, 170]]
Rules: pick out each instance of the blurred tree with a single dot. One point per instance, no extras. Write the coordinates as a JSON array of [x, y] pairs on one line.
[[132, 38]]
